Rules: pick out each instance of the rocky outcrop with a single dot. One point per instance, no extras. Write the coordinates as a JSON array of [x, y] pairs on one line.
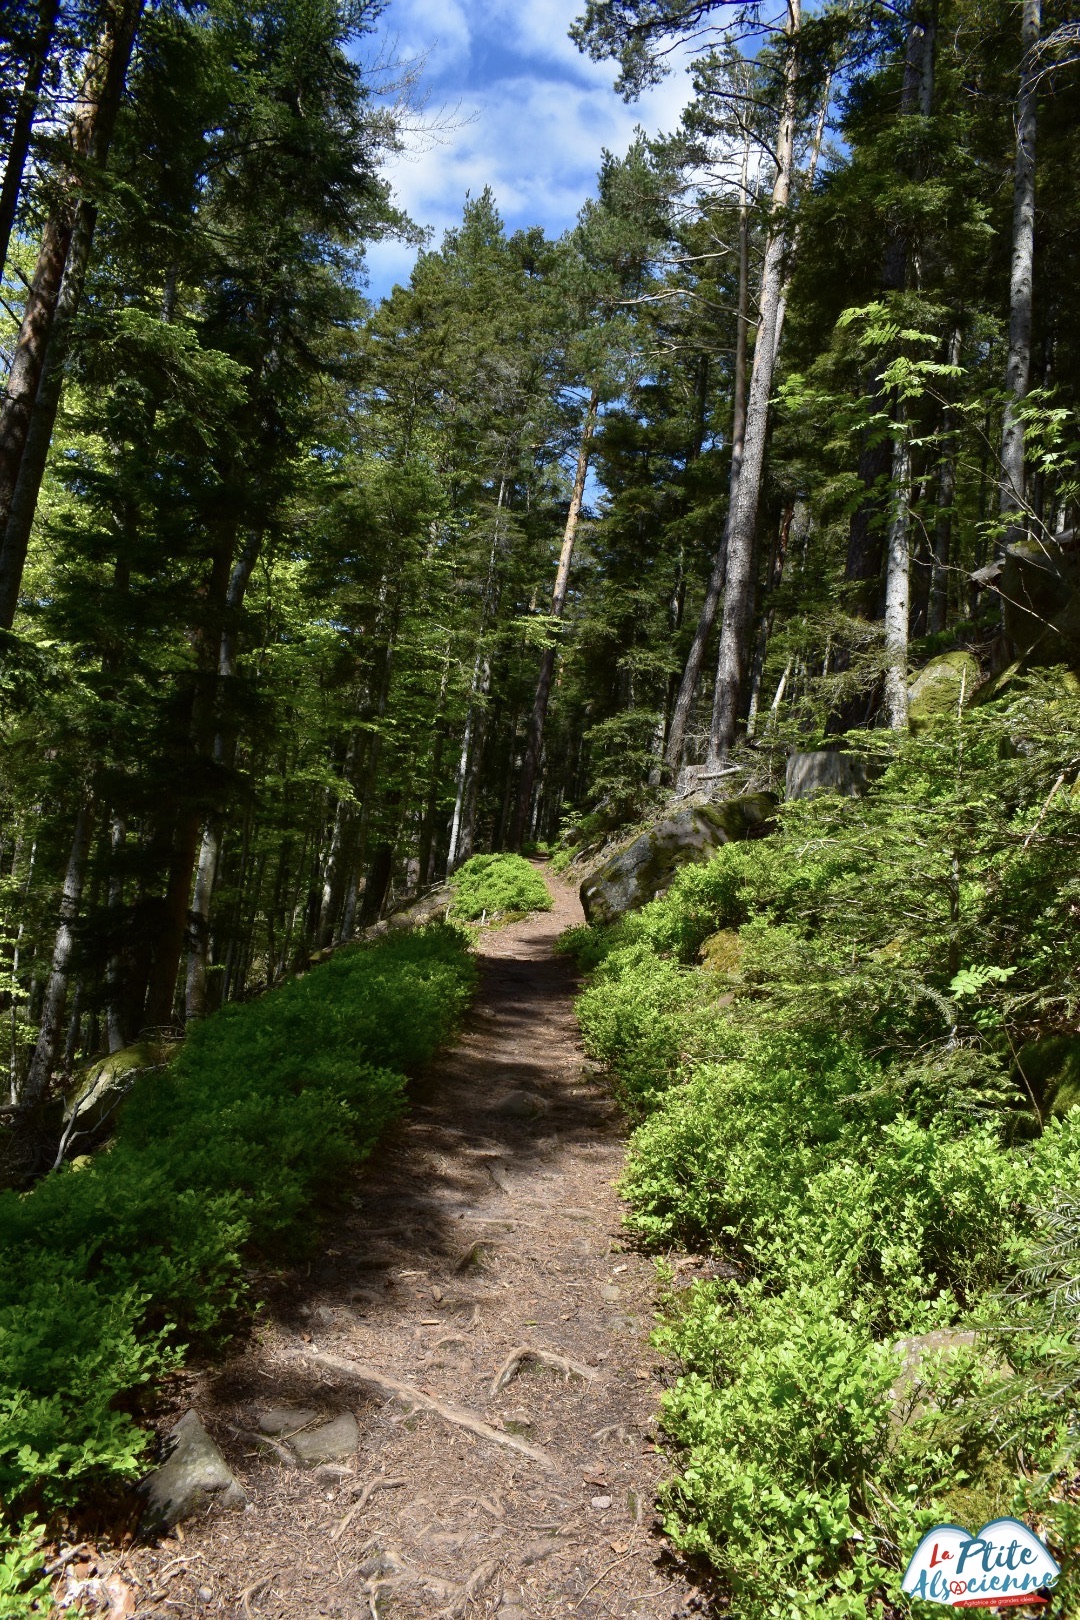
[[193, 1476], [826, 770], [941, 686], [90, 1107], [645, 867], [1050, 1069], [1038, 581]]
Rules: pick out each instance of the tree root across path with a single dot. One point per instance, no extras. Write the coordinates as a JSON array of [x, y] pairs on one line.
[[543, 1358], [420, 1400]]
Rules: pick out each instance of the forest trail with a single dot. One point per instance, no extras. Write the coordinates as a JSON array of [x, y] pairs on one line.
[[484, 1224]]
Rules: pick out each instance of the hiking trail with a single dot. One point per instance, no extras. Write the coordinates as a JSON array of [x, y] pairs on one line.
[[478, 1315]]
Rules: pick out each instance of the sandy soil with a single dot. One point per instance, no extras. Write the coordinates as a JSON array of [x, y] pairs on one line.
[[481, 1226]]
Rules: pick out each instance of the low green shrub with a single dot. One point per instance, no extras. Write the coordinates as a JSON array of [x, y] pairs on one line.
[[107, 1269], [24, 1587], [498, 885], [827, 1031]]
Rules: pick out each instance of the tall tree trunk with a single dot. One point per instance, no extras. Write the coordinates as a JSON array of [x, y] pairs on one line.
[[898, 589], [776, 575], [937, 610], [1018, 362], [52, 1012], [738, 595], [115, 1022], [15, 535], [535, 739], [91, 135], [224, 751], [23, 124], [695, 658], [866, 536], [474, 719]]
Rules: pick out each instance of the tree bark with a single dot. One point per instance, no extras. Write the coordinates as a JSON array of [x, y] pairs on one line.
[[1018, 361], [15, 535], [91, 135], [535, 739], [776, 575], [866, 535], [52, 1012], [695, 658], [937, 611], [731, 663], [23, 124], [223, 753], [898, 589]]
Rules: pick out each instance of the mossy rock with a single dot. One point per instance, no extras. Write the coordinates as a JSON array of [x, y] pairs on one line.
[[648, 864], [938, 688], [1051, 1067], [101, 1085], [722, 952]]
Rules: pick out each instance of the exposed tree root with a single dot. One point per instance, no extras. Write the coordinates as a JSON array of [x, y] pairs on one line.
[[393, 1387], [544, 1358], [379, 1483]]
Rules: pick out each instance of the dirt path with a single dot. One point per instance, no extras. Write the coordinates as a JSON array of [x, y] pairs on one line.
[[486, 1223]]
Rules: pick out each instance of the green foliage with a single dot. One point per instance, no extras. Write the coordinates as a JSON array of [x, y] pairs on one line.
[[107, 1268], [840, 1108], [24, 1589], [500, 885]]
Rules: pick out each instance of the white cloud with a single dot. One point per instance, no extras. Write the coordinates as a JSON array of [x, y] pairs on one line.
[[534, 117]]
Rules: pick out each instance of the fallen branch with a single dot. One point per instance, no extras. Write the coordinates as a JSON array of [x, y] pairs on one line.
[[379, 1483], [544, 1358], [394, 1388]]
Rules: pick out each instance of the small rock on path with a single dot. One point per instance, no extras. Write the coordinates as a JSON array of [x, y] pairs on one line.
[[478, 1228]]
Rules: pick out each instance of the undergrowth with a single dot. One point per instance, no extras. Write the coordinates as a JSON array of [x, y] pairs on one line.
[[831, 1039], [109, 1269], [497, 886]]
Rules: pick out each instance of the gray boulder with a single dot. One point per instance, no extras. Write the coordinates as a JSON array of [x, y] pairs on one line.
[[285, 1420], [331, 1442], [647, 865], [826, 770], [193, 1476]]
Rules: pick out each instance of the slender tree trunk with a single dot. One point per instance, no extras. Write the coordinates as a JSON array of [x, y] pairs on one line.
[[535, 739], [52, 1012], [898, 589], [695, 658], [1018, 362], [91, 135], [223, 753], [15, 540], [866, 538], [481, 679], [937, 611], [738, 595], [115, 1026], [22, 126], [776, 575]]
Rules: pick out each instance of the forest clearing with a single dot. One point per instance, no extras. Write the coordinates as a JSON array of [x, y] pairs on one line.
[[539, 844]]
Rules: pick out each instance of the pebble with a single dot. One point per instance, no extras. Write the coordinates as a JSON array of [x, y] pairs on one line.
[[600, 1502]]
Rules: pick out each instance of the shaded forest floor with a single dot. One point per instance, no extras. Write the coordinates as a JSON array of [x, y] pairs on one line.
[[487, 1222]]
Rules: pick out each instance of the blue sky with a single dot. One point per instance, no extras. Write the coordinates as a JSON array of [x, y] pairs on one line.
[[532, 115]]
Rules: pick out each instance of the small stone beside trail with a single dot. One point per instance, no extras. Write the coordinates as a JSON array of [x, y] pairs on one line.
[[193, 1477]]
